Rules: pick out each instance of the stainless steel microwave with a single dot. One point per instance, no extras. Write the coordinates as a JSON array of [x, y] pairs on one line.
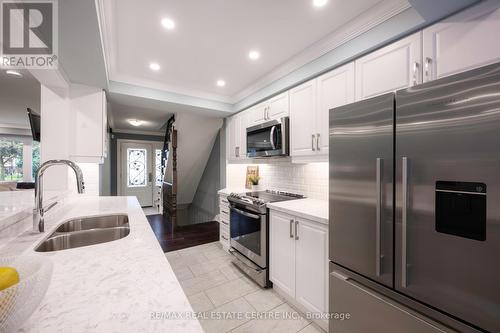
[[269, 139]]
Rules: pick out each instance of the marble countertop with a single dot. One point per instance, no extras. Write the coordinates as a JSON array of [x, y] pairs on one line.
[[125, 285], [311, 209], [17, 205]]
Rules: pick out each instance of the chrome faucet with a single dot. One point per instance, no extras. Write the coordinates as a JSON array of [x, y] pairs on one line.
[[39, 211]]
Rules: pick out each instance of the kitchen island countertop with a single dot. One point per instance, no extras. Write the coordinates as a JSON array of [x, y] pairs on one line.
[[125, 285]]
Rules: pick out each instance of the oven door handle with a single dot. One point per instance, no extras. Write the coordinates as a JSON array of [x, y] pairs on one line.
[[239, 211]]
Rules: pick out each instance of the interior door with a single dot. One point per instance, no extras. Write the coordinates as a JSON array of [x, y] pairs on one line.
[[361, 187], [137, 171], [448, 190]]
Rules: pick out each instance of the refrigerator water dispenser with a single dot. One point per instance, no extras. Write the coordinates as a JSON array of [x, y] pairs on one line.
[[461, 209]]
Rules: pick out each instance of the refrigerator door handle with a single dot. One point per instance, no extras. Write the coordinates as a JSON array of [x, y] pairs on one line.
[[404, 225], [378, 219]]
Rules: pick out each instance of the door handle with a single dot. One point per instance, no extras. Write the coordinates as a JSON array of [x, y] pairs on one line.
[[415, 73], [273, 129], [427, 65], [378, 218], [317, 142], [296, 230], [239, 211], [404, 188], [291, 226], [312, 143], [150, 177]]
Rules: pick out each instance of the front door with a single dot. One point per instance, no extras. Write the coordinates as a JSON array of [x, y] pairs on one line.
[[136, 174]]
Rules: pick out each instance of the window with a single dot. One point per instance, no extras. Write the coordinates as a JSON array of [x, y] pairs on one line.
[[19, 158], [11, 159], [136, 167]]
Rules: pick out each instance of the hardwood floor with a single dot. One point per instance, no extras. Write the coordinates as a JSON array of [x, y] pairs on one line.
[[184, 236]]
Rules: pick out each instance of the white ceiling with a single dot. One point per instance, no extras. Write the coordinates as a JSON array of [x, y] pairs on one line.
[[212, 39], [17, 94]]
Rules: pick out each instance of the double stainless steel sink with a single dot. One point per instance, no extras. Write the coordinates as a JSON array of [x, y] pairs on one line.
[[86, 231]]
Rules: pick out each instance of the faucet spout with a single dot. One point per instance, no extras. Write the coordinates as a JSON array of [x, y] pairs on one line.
[[39, 211]]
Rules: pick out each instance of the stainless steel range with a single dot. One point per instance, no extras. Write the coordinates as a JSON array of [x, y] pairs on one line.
[[249, 231]]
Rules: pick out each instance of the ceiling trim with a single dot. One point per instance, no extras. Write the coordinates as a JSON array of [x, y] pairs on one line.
[[369, 19], [127, 131]]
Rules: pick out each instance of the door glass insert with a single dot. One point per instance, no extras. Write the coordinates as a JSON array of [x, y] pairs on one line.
[[136, 167]]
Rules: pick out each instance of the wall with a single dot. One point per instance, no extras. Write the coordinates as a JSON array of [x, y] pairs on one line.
[[195, 139], [113, 155], [205, 202], [310, 179]]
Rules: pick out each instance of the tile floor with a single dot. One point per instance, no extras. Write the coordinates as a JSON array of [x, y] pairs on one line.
[[213, 285]]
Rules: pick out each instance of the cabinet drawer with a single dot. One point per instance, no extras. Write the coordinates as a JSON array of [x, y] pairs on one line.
[[372, 312], [224, 221], [223, 201], [224, 235]]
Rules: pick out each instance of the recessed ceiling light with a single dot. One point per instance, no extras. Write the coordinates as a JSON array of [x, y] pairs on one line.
[[168, 24], [254, 55], [319, 3], [221, 83], [135, 122], [154, 66], [14, 73]]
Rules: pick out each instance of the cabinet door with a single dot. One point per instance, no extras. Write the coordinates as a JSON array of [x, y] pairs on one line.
[[242, 124], [303, 119], [282, 252], [462, 42], [311, 260], [335, 88], [390, 68], [256, 115], [278, 106], [231, 138]]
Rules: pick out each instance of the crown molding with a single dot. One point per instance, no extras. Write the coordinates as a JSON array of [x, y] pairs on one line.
[[369, 19]]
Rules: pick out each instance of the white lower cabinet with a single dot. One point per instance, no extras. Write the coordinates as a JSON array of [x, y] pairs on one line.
[[299, 261], [224, 224]]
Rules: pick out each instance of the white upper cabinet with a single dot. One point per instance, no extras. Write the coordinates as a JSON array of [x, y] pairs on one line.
[[303, 119], [465, 41], [334, 89], [274, 108], [278, 107], [257, 114], [390, 68], [89, 117], [236, 138]]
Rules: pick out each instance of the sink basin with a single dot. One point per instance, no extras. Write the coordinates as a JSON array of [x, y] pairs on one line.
[[71, 240], [87, 223], [86, 231]]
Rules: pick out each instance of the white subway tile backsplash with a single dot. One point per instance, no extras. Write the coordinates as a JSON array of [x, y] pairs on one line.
[[310, 179]]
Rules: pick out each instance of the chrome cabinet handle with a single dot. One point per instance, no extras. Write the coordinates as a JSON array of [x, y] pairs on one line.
[[415, 73], [404, 280], [378, 217], [225, 223], [237, 151], [224, 237], [317, 142], [312, 143], [296, 230], [427, 65], [291, 226]]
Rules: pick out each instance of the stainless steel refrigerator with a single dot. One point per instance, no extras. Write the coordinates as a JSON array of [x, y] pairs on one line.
[[415, 200]]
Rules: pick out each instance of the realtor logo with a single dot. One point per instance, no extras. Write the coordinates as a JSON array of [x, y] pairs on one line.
[[28, 34]]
